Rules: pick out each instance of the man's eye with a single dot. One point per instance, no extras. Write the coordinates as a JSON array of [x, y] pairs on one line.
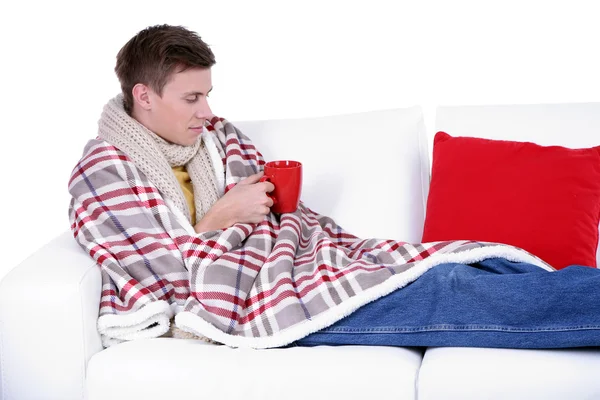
[[192, 99]]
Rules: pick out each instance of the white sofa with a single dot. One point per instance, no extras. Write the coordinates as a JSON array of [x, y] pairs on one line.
[[370, 172]]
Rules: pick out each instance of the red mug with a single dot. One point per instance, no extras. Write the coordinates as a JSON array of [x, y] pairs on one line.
[[286, 176]]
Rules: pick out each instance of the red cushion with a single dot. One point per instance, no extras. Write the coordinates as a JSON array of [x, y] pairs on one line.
[[545, 200]]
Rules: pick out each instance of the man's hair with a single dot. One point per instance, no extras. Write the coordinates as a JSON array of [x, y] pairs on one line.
[[154, 54]]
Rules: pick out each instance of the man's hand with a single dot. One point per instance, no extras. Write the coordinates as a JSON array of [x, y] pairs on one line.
[[246, 202]]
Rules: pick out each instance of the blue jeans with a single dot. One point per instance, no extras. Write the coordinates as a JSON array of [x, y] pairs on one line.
[[494, 303]]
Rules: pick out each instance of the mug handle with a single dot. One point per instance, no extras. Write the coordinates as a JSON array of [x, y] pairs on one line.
[[266, 179]]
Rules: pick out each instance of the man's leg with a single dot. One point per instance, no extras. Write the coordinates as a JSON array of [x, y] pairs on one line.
[[495, 303]]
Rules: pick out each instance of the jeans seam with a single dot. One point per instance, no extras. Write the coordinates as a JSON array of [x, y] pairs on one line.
[[450, 327]]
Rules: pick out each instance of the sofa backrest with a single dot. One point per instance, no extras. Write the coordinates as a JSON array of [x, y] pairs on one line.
[[574, 125], [367, 171]]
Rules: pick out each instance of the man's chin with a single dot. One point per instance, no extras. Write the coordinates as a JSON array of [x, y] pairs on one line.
[[189, 142]]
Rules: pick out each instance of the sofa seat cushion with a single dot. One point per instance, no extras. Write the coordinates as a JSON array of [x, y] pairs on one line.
[[477, 373], [166, 368]]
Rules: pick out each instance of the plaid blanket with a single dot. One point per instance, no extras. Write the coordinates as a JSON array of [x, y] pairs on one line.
[[251, 285]]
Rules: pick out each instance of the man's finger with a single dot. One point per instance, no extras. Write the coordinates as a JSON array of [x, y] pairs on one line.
[[270, 187], [252, 179], [269, 202]]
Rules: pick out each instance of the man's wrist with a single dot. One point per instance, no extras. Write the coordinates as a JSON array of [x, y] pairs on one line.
[[211, 222]]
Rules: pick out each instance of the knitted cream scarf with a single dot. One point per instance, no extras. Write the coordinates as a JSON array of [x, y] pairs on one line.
[[155, 157]]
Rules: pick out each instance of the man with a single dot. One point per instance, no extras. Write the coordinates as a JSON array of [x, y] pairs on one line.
[[159, 123]]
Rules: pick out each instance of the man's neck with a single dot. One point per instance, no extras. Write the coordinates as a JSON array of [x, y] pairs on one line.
[[140, 117]]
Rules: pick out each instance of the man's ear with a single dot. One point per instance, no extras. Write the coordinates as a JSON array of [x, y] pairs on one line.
[[141, 96]]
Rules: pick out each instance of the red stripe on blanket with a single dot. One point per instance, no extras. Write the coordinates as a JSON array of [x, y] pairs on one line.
[[139, 289], [84, 166], [143, 251], [138, 237], [429, 251], [245, 157], [270, 304], [84, 163]]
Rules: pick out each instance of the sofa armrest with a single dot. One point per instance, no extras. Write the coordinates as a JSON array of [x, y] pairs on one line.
[[48, 312]]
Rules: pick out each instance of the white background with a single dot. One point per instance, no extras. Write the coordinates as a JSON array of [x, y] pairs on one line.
[[275, 59]]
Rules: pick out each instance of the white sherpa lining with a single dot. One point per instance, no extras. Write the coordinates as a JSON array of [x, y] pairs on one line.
[[215, 158], [136, 325], [182, 219]]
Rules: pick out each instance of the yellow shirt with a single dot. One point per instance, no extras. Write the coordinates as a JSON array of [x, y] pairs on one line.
[[188, 189]]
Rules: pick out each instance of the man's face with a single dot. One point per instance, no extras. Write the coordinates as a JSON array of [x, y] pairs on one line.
[[179, 114]]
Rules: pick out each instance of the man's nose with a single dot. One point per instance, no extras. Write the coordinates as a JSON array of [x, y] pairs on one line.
[[203, 110]]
